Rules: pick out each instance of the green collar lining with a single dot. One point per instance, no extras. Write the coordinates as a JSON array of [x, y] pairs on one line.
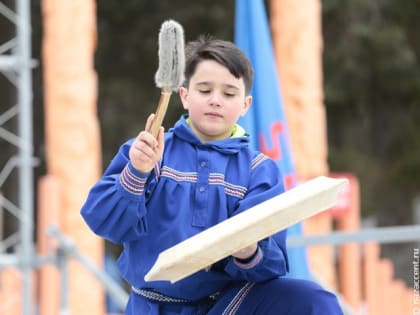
[[237, 130]]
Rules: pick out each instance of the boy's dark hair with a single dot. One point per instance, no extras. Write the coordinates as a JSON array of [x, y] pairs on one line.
[[223, 52]]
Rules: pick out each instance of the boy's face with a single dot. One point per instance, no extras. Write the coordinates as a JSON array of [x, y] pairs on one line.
[[215, 100]]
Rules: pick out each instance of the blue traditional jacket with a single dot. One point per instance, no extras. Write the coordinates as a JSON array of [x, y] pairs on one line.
[[195, 186]]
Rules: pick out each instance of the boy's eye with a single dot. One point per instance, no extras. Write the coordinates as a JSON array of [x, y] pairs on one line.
[[229, 94], [204, 91]]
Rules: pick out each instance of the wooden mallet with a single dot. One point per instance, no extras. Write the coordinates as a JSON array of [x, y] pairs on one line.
[[170, 74]]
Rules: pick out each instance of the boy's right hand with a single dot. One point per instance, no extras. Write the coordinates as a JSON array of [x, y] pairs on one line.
[[146, 150]]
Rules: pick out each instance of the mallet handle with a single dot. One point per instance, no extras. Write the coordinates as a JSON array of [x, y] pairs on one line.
[[160, 112]]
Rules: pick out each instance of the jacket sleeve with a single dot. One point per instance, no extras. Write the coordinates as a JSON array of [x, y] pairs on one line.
[[270, 260], [115, 207]]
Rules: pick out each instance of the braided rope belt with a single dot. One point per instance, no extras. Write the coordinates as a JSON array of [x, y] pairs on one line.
[[159, 297]]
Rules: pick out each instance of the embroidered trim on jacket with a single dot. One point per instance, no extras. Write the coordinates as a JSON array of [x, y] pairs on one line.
[[214, 179], [230, 189], [236, 302], [157, 169], [132, 183], [258, 160], [178, 176]]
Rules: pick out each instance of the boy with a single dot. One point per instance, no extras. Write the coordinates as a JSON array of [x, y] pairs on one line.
[[158, 192]]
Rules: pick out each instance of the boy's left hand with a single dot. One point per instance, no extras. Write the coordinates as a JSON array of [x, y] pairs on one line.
[[246, 252]]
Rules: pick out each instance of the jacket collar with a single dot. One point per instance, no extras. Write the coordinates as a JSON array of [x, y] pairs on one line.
[[229, 146]]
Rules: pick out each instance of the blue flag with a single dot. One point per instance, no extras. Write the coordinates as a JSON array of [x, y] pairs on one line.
[[265, 121]]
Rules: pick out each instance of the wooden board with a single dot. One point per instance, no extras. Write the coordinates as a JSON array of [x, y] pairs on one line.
[[246, 228]]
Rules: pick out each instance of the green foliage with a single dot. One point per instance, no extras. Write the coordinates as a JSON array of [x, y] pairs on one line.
[[372, 97]]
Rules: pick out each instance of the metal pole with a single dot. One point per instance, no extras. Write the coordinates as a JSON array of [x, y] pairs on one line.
[[69, 249], [393, 234], [26, 151], [63, 265]]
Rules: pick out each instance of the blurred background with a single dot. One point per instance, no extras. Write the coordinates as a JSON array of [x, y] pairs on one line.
[[370, 85]]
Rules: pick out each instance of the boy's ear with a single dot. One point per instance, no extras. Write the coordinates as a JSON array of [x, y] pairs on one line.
[[183, 93], [247, 105]]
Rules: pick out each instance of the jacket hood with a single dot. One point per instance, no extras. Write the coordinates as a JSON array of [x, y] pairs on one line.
[[232, 145]]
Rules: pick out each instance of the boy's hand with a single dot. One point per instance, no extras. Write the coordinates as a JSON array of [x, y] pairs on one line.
[[146, 151], [246, 252]]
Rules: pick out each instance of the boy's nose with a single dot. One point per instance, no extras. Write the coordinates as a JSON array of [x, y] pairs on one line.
[[215, 100]]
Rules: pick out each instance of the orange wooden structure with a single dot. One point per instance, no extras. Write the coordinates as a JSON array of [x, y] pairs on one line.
[[72, 140], [384, 295], [296, 30], [349, 255], [10, 298], [363, 279]]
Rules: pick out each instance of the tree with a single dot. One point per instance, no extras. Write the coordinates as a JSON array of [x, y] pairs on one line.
[[372, 95]]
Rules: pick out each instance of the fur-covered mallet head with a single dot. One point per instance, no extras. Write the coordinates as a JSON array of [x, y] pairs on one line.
[[170, 74]]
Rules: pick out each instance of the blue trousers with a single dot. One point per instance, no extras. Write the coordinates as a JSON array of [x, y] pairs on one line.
[[282, 296]]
